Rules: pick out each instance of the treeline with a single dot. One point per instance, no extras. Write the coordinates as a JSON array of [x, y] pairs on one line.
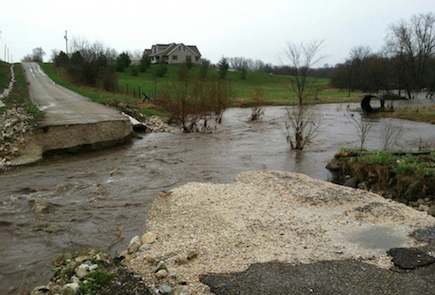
[[406, 63], [89, 64]]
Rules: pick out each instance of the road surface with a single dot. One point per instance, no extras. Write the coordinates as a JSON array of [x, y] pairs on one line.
[[63, 106], [72, 122]]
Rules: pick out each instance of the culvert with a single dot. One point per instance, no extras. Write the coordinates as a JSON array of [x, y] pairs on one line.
[[366, 103]]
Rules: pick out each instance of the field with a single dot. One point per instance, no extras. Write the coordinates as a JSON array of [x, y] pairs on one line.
[[274, 89]]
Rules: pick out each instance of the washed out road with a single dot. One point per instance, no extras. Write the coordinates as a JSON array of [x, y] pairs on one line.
[[72, 122], [62, 106]]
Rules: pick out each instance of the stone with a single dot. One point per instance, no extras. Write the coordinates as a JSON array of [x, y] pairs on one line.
[[39, 290], [149, 238], [144, 247], [82, 270], [150, 259], [70, 289], [75, 279], [163, 273], [134, 245], [181, 290], [192, 255], [351, 182], [182, 259], [126, 255], [165, 289], [161, 265]]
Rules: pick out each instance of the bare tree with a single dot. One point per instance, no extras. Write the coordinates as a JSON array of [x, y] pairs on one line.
[[413, 44], [363, 124], [301, 58], [390, 135], [302, 127], [257, 109]]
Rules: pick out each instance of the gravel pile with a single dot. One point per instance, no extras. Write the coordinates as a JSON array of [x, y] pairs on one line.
[[14, 125], [156, 124], [266, 216]]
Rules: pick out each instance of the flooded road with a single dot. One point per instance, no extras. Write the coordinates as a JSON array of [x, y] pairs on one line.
[[101, 200]]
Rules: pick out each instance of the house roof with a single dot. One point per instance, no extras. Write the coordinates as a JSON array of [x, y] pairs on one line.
[[169, 48]]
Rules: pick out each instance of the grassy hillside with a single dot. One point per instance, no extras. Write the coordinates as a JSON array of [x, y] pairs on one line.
[[5, 75], [275, 89]]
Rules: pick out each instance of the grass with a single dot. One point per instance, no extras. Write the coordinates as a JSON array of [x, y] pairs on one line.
[[275, 89], [5, 75], [101, 96], [413, 113], [411, 175], [19, 96]]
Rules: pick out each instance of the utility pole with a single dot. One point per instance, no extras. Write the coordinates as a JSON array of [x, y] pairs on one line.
[[0, 42], [66, 41]]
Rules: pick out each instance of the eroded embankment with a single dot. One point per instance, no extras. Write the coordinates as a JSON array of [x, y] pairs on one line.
[[405, 177]]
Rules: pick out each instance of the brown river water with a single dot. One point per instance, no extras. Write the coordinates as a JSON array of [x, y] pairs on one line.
[[93, 200]]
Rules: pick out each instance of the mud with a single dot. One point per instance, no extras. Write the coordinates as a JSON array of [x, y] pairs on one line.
[[101, 199]]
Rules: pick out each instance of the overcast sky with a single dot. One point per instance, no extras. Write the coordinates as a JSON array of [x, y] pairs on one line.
[[257, 29]]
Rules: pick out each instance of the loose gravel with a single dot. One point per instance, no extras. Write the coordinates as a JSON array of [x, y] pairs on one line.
[[268, 216]]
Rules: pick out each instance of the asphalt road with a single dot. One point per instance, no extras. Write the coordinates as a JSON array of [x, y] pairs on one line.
[[62, 106]]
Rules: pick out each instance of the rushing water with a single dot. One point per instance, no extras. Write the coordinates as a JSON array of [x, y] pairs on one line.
[[93, 200]]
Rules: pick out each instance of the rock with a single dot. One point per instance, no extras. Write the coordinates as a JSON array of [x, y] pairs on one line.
[[150, 259], [149, 238], [82, 270], [192, 255], [180, 260], [126, 255], [410, 258], [163, 273], [70, 289], [181, 290], [144, 247], [431, 210], [334, 165], [161, 265], [165, 289], [75, 279], [363, 185], [352, 182], [422, 207], [134, 245], [40, 290]]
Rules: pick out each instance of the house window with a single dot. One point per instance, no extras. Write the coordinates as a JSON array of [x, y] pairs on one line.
[[175, 57], [188, 58], [181, 47]]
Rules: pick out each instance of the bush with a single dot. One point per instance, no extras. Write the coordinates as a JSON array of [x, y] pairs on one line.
[[134, 70], [160, 70]]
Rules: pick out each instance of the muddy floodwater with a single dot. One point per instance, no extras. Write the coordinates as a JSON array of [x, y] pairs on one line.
[[101, 200]]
